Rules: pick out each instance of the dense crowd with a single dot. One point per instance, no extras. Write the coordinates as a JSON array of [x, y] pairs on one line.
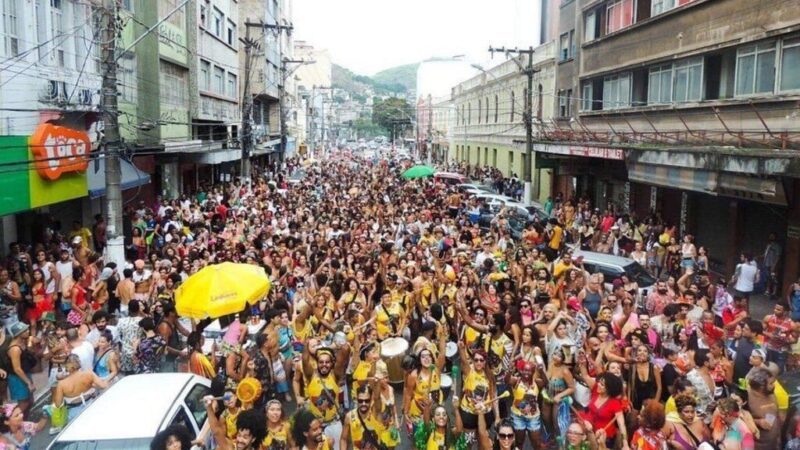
[[395, 319]]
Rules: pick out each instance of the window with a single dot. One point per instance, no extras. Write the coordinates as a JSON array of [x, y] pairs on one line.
[[660, 6], [10, 28], [174, 84], [567, 45], [688, 81], [203, 16], [790, 64], [79, 39], [127, 77], [659, 86], [590, 26], [231, 33], [231, 85], [617, 91], [480, 109], [586, 97], [496, 108], [513, 104], [178, 18], [57, 28], [563, 104], [564, 55], [205, 75], [755, 69], [619, 14], [219, 80], [487, 109], [469, 113], [194, 401], [218, 23]]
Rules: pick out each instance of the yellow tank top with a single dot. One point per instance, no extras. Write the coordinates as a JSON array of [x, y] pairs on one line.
[[471, 338], [384, 324], [230, 423], [476, 388], [302, 334], [277, 440], [360, 374], [323, 396], [436, 441], [357, 428], [426, 385], [498, 349], [525, 400]]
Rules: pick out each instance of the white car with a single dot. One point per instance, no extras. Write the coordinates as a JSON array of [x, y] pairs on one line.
[[135, 409]]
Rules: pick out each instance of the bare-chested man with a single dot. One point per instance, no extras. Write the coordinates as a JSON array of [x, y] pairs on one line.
[[126, 289], [143, 280]]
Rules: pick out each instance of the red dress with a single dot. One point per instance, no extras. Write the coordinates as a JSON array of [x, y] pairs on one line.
[[45, 305], [603, 416]]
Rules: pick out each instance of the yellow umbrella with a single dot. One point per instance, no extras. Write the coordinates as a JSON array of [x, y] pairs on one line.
[[221, 289]]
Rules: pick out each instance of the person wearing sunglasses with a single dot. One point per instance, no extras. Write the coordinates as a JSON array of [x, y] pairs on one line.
[[478, 388]]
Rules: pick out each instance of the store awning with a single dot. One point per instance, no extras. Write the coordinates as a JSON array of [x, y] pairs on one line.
[[131, 177], [747, 187], [267, 147]]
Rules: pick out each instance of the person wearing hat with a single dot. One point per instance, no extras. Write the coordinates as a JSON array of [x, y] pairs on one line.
[[322, 384]]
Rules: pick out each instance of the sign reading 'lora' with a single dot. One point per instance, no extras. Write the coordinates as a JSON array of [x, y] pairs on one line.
[[58, 150]]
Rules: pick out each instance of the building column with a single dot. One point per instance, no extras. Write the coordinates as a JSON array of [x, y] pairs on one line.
[[791, 251], [8, 232], [734, 236]]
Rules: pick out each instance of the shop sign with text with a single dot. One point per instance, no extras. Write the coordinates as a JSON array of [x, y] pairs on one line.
[[59, 150]]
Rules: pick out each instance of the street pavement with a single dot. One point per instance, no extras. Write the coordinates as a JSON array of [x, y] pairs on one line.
[[760, 306]]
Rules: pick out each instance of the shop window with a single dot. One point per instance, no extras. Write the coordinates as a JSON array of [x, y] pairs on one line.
[[790, 64], [620, 15], [659, 86], [688, 81], [617, 91]]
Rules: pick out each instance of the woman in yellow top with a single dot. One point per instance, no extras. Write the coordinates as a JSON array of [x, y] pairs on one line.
[[353, 294], [364, 360], [278, 436], [199, 364], [231, 412], [525, 404], [424, 381], [389, 318], [478, 388], [476, 330]]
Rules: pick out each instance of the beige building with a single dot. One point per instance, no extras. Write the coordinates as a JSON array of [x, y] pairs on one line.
[[489, 126]]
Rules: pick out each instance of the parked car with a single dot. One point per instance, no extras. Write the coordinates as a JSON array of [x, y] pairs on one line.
[[613, 267], [475, 187], [135, 409]]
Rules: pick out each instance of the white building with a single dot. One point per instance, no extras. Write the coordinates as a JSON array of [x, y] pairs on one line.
[[314, 80], [50, 66]]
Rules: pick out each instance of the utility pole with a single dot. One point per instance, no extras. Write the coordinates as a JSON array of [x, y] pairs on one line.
[[529, 71], [115, 237], [247, 104]]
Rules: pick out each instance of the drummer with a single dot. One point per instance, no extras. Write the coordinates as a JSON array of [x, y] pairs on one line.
[[322, 386], [389, 316], [424, 381]]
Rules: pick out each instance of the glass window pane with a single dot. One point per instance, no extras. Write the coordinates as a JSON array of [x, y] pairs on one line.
[[681, 80], [666, 86], [590, 25], [744, 74], [695, 83], [624, 91], [765, 75], [790, 68]]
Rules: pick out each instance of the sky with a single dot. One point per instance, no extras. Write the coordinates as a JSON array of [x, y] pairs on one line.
[[367, 36]]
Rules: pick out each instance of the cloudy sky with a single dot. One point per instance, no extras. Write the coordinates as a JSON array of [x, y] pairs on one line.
[[367, 36]]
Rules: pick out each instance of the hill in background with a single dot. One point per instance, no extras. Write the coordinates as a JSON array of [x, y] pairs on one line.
[[398, 81]]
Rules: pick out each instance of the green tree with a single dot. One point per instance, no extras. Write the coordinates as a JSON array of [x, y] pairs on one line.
[[392, 113]]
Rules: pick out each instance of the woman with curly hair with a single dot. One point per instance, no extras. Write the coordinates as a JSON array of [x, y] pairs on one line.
[[649, 436], [684, 430], [174, 437]]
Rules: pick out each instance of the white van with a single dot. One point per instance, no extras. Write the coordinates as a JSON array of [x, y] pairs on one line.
[[135, 409]]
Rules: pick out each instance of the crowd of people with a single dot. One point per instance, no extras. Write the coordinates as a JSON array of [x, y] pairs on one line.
[[396, 321]]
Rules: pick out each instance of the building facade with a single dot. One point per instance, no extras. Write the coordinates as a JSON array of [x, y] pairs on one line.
[[683, 107], [489, 116]]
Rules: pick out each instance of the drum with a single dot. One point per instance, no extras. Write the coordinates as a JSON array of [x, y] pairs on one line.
[[392, 352], [446, 384], [451, 355]]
